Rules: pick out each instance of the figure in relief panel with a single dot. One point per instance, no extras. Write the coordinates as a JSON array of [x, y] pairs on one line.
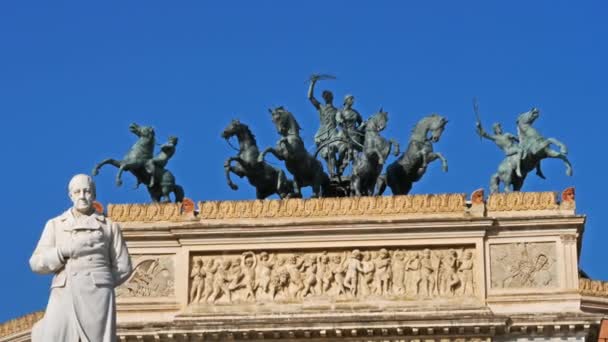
[[367, 276], [353, 268], [448, 279], [197, 281], [221, 281], [248, 281], [466, 273], [383, 272], [428, 274], [398, 270], [338, 270], [264, 268], [310, 275], [325, 275], [412, 270]]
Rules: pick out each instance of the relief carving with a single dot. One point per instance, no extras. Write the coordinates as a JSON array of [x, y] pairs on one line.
[[523, 265], [347, 275], [152, 277]]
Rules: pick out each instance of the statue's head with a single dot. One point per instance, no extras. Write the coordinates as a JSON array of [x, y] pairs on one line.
[[264, 256], [327, 96], [81, 190], [349, 100], [357, 254], [248, 261], [426, 253], [497, 128], [468, 255]]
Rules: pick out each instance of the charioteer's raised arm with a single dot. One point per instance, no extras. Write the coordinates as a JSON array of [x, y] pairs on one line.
[[311, 89]]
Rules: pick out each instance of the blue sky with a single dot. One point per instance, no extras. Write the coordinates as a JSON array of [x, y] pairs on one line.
[[73, 75]]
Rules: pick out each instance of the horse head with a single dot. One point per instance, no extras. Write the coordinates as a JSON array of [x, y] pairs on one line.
[[232, 129], [142, 131], [377, 122], [433, 124], [284, 121], [528, 118]]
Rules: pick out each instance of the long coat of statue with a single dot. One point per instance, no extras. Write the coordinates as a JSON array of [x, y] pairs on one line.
[[81, 305]]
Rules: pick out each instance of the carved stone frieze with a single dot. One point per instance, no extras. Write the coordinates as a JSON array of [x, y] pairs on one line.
[[153, 276], [326, 207], [145, 212], [344, 275], [20, 324], [518, 201], [523, 265]]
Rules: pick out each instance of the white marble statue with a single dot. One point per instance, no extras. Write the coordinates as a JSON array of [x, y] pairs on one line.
[[87, 254]]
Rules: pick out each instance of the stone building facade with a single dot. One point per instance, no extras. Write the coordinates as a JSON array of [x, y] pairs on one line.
[[400, 268]]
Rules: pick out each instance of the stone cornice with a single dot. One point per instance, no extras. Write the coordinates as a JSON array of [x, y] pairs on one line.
[[20, 324], [414, 206]]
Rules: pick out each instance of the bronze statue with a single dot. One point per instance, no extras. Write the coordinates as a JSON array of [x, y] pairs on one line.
[[369, 163], [411, 166], [146, 168], [524, 153], [306, 170], [266, 179]]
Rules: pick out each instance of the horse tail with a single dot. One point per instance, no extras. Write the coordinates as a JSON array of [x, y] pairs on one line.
[[178, 191]]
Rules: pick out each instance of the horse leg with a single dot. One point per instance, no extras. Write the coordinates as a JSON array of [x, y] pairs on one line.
[[237, 170], [436, 155], [272, 151], [121, 169], [562, 147], [558, 155], [113, 162]]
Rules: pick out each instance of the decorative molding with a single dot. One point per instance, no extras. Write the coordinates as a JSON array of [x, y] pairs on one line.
[[596, 288], [153, 276], [146, 212], [519, 201], [20, 324], [333, 207], [367, 275]]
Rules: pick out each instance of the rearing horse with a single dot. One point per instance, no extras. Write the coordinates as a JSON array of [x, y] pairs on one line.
[[306, 170], [369, 163], [534, 148], [266, 179], [136, 158], [411, 166]]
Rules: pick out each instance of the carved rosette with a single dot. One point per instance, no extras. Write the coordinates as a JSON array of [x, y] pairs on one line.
[[523, 265], [355, 275], [333, 207], [153, 276]]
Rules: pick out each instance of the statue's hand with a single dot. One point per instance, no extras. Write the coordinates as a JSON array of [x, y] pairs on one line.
[[65, 250], [118, 182], [444, 167], [233, 186], [260, 158], [95, 171]]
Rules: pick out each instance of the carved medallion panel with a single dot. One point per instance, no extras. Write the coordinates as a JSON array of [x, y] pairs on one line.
[[523, 265], [344, 275], [153, 276]]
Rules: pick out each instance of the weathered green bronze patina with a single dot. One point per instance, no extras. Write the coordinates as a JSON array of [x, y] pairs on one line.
[[411, 166], [370, 162], [147, 168], [523, 153], [305, 168], [266, 179]]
